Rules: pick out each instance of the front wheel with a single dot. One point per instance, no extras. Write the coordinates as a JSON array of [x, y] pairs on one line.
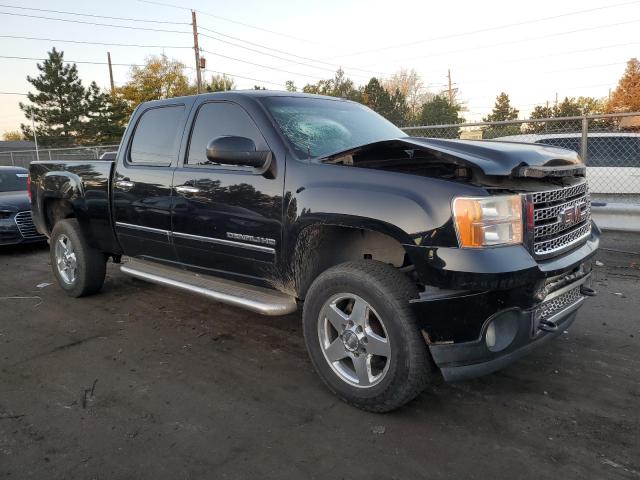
[[79, 268], [362, 336]]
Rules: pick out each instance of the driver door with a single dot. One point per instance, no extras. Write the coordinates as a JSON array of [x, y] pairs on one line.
[[227, 220]]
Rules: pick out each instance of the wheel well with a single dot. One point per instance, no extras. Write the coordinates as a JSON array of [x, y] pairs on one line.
[[320, 247], [55, 210]]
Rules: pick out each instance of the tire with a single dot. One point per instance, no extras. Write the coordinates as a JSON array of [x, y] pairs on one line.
[[79, 268], [362, 378]]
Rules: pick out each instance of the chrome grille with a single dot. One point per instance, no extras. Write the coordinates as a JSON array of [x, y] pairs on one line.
[[559, 303], [561, 218], [25, 225]]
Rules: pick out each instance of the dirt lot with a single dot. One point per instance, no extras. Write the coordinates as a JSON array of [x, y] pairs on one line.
[[146, 382]]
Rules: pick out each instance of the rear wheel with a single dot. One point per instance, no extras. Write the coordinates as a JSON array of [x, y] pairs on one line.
[[79, 268], [362, 336]]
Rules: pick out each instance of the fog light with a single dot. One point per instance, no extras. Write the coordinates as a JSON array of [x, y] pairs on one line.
[[501, 330]]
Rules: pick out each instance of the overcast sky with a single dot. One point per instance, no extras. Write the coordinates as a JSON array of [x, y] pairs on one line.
[[571, 55]]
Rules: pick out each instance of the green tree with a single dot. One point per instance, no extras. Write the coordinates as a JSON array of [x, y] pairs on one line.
[[106, 117], [376, 97], [539, 112], [220, 83], [59, 104], [393, 107], [291, 86], [338, 86], [438, 111], [400, 114], [502, 111], [569, 107], [159, 78]]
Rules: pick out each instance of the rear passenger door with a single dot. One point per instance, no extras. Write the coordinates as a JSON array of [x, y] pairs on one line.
[[142, 182], [226, 219]]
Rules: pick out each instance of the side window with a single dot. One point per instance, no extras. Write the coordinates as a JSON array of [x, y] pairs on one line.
[[218, 120], [570, 143], [156, 139], [613, 152]]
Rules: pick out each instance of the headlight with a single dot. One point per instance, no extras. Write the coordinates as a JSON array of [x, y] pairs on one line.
[[5, 214], [488, 221]]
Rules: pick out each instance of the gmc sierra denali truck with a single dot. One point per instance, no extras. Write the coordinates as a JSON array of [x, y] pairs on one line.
[[413, 258]]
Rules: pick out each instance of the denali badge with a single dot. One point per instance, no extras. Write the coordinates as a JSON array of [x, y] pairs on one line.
[[572, 214], [251, 238]]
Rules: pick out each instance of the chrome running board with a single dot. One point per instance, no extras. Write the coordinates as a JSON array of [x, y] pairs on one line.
[[257, 299]]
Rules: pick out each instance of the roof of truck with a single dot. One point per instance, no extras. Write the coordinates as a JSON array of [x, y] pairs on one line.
[[252, 94]]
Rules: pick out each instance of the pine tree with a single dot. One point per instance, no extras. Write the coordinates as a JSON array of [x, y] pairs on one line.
[[626, 96], [502, 110], [106, 116], [438, 111], [376, 97], [58, 106]]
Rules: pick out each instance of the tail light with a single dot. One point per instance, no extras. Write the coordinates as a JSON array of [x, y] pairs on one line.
[[29, 186]]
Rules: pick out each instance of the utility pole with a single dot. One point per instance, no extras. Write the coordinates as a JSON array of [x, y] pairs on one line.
[[450, 89], [113, 87], [196, 49]]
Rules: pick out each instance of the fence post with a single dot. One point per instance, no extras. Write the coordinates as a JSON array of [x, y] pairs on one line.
[[49, 154], [583, 144], [13, 163]]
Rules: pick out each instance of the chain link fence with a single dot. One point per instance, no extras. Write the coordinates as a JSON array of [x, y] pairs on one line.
[[22, 158], [609, 145]]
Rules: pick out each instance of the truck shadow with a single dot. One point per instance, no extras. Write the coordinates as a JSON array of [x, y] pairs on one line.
[[23, 249]]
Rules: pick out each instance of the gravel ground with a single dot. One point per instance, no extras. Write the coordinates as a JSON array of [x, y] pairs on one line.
[[146, 382]]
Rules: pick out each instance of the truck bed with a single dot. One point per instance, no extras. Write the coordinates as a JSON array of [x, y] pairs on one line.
[[86, 184]]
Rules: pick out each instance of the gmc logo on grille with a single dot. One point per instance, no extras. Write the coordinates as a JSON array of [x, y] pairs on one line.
[[572, 214]]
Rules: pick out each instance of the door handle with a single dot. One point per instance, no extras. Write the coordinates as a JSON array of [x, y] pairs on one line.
[[125, 184], [187, 189]]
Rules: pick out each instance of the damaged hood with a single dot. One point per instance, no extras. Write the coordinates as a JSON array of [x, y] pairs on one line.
[[492, 157]]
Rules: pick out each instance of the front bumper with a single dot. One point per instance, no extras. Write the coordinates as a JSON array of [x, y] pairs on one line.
[[530, 314], [10, 234]]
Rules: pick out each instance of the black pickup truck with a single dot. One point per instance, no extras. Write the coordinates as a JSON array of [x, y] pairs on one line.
[[414, 258]]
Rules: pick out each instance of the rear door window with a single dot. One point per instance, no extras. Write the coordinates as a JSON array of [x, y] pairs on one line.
[[156, 139], [613, 152]]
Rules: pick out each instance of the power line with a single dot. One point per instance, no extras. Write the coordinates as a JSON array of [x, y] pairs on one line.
[[274, 56], [522, 40], [244, 78], [92, 15], [259, 65], [490, 29], [225, 19], [334, 65], [93, 23], [13, 93], [133, 65], [74, 61], [85, 42]]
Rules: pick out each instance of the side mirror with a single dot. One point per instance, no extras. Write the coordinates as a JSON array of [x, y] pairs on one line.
[[239, 151]]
